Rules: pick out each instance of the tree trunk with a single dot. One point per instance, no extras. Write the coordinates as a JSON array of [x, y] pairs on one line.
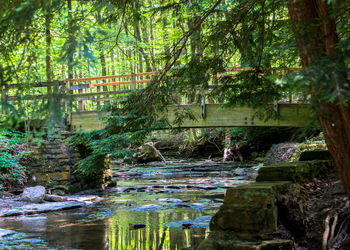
[[70, 40], [113, 68], [133, 85], [316, 42], [104, 71], [146, 41], [165, 37], [152, 43], [48, 51]]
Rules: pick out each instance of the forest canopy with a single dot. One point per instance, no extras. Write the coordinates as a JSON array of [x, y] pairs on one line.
[[187, 43]]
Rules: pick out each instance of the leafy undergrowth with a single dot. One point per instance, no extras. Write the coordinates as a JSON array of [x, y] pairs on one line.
[[14, 156]]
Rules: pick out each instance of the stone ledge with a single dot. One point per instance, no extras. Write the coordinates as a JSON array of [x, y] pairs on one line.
[[293, 171], [250, 209]]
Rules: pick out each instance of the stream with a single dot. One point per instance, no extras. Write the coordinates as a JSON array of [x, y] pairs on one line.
[[153, 205]]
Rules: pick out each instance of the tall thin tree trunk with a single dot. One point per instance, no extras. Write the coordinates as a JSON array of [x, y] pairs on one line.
[[70, 40], [112, 67], [48, 51], [146, 41], [70, 58], [316, 42], [152, 43], [104, 71], [130, 58]]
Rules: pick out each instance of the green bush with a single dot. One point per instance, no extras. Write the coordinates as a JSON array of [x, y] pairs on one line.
[[13, 157]]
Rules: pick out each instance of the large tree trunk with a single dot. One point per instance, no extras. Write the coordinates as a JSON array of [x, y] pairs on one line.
[[316, 42]]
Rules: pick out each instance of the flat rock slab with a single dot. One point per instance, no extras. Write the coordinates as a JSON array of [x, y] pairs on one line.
[[85, 198], [203, 187], [169, 200], [4, 233], [41, 208]]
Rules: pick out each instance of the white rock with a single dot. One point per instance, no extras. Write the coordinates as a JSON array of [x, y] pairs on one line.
[[33, 194]]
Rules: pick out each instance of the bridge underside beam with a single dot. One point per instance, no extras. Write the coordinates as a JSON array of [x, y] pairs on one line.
[[214, 115]]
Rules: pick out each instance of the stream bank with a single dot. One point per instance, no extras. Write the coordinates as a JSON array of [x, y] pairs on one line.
[[298, 205]]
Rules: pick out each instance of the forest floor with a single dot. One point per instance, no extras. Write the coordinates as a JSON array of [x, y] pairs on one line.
[[316, 212]]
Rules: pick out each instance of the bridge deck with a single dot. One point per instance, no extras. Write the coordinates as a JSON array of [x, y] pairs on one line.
[[288, 115]]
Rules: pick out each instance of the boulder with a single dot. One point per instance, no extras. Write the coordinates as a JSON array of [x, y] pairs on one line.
[[33, 194]]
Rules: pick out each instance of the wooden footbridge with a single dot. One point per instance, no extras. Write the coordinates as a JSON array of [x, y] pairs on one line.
[[87, 94]]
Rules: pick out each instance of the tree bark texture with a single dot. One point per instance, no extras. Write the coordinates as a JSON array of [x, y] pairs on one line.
[[316, 42]]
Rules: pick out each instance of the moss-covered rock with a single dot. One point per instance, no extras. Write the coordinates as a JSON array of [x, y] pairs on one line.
[[249, 210], [315, 155], [293, 171]]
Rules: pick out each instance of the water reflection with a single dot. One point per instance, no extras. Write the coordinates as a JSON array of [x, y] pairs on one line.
[[150, 237], [103, 228]]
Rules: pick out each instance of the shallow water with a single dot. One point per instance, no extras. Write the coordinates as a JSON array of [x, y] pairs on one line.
[[106, 224]]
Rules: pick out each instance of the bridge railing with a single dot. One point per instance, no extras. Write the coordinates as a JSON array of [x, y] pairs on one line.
[[87, 94]]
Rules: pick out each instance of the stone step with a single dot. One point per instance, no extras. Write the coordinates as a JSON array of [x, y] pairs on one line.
[[249, 209], [294, 171]]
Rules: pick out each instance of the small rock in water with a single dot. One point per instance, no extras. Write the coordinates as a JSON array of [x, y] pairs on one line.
[[196, 205], [239, 171], [33, 194], [141, 189], [4, 233], [30, 218], [176, 186], [218, 200], [133, 226], [169, 200], [182, 205], [205, 200]]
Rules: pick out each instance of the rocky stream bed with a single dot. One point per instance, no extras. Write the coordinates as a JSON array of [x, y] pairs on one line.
[[168, 206]]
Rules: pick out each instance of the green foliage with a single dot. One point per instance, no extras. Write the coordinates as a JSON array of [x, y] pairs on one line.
[[2, 194], [13, 158], [188, 41], [126, 129]]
